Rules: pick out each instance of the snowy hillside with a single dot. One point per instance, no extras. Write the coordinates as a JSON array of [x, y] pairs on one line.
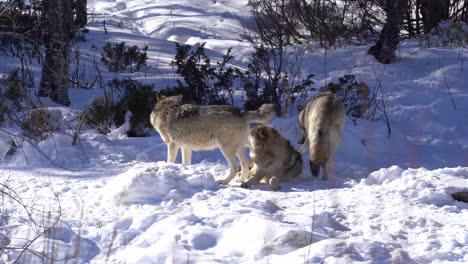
[[389, 200]]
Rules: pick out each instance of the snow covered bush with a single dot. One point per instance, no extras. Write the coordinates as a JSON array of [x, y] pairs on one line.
[[448, 33], [330, 23]]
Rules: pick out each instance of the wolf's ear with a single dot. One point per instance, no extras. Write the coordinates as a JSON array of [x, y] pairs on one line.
[[262, 133], [179, 97], [160, 97]]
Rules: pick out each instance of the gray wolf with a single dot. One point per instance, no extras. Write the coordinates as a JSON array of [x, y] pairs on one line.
[[275, 159], [195, 127], [321, 123]]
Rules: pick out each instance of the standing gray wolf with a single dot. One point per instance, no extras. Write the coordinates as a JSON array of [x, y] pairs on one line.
[[275, 160], [321, 123], [194, 127]]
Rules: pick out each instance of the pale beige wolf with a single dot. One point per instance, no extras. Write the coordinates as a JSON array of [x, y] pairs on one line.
[[275, 160], [322, 122], [194, 127]]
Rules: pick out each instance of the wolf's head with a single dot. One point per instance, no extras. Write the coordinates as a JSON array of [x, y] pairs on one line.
[[175, 98], [164, 102]]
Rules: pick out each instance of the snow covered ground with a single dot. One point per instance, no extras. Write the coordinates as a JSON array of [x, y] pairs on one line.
[[120, 202]]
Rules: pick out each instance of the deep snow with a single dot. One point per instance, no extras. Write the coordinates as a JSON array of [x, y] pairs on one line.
[[120, 202]]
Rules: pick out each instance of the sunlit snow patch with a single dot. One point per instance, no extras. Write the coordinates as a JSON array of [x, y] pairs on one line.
[[159, 182]]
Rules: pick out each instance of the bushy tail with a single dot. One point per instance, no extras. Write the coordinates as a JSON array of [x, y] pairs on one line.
[[263, 115]]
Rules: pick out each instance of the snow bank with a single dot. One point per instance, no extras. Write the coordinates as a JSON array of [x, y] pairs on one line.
[[57, 149], [159, 182], [383, 175], [4, 145], [419, 183]]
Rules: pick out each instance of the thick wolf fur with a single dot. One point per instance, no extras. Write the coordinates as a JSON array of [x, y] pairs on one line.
[[275, 160], [322, 122], [194, 127]]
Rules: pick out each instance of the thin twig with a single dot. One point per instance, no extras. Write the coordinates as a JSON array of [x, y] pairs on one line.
[[446, 85], [382, 100]]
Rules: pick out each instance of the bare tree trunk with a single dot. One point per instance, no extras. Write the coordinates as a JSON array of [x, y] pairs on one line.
[[81, 18], [434, 11], [58, 16], [409, 21], [418, 17], [384, 49], [465, 12]]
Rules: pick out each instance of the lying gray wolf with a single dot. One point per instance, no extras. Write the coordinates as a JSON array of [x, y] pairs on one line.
[[275, 160], [194, 127], [321, 123]]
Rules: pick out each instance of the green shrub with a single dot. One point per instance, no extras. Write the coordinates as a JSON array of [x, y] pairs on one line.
[[203, 83], [120, 58], [3, 111], [11, 88], [139, 100], [11, 95], [100, 114], [133, 97], [359, 100], [448, 33]]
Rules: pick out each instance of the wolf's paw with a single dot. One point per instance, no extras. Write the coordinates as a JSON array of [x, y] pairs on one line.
[[239, 179], [245, 185], [222, 182], [276, 188], [274, 184]]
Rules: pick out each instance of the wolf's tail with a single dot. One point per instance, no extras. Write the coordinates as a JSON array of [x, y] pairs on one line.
[[263, 115]]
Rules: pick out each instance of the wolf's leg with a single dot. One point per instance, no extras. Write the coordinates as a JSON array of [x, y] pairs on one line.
[[314, 168], [230, 156], [254, 180], [172, 149], [186, 156], [303, 149], [244, 165], [326, 170]]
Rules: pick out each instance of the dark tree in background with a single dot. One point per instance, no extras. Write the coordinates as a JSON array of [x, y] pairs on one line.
[[81, 15], [433, 11], [57, 41], [384, 49], [464, 13], [61, 26]]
